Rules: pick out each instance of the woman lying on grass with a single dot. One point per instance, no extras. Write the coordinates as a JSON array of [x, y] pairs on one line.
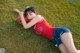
[[60, 36]]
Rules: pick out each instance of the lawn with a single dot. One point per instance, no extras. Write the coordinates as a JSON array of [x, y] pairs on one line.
[[57, 12]]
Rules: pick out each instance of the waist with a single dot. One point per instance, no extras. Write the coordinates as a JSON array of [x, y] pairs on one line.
[[46, 32]]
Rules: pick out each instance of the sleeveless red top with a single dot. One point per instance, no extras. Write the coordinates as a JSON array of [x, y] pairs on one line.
[[44, 29]]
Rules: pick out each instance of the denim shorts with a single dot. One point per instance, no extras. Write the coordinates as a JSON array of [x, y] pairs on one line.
[[58, 31]]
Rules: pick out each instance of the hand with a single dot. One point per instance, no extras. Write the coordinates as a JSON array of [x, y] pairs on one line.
[[21, 14], [16, 10]]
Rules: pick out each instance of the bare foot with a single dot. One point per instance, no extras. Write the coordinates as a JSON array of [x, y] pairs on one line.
[[16, 10]]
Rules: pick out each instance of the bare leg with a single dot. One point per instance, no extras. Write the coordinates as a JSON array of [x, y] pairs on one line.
[[63, 49], [68, 42]]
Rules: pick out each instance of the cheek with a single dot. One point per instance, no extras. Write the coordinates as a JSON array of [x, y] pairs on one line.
[[29, 17]]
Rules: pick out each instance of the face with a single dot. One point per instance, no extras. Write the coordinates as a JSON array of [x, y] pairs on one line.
[[31, 15]]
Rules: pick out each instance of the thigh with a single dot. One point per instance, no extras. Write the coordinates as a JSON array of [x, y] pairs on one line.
[[67, 40], [62, 48], [58, 31]]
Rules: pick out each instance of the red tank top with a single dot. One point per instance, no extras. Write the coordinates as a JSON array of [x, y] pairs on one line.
[[44, 29]]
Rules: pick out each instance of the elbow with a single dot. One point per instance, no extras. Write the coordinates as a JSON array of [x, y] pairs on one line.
[[25, 27]]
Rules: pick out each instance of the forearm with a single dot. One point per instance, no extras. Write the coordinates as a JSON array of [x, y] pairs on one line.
[[23, 20]]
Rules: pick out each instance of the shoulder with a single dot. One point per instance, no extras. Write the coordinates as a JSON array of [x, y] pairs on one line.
[[39, 17]]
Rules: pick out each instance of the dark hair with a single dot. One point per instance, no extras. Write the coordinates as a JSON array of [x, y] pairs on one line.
[[29, 9]]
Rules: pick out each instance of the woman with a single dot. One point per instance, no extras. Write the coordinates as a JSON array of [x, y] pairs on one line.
[[61, 36]]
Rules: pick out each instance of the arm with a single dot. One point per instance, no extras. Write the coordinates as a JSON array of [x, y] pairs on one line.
[[31, 23], [16, 10]]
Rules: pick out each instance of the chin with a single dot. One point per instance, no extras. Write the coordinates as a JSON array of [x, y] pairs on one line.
[[29, 18]]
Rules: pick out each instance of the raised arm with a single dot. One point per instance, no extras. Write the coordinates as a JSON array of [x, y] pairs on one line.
[[30, 23]]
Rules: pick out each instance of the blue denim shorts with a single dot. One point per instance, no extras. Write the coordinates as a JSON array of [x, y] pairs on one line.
[[58, 31]]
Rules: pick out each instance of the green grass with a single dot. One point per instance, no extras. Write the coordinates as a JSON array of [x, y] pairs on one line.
[[57, 12]]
